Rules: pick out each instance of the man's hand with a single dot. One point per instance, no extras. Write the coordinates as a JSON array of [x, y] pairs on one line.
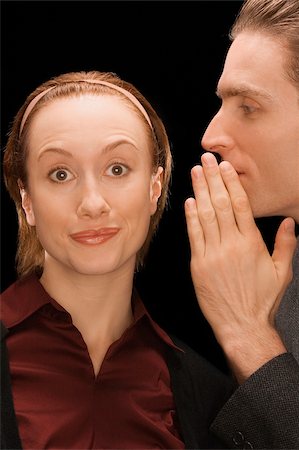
[[237, 283]]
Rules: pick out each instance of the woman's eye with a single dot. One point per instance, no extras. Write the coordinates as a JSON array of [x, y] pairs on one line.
[[117, 170], [60, 175]]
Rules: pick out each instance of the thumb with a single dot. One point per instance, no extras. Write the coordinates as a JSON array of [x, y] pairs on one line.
[[284, 247]]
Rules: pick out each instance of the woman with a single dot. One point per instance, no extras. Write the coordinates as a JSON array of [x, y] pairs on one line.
[[88, 164]]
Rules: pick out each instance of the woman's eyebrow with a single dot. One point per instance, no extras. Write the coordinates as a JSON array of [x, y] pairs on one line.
[[58, 150], [105, 150], [114, 145]]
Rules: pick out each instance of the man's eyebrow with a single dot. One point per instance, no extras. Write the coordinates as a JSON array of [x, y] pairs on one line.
[[68, 154], [245, 90]]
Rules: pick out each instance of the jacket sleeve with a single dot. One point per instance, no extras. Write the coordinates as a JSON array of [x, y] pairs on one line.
[[264, 411]]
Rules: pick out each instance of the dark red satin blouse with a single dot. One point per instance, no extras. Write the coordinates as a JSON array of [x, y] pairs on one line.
[[58, 401]]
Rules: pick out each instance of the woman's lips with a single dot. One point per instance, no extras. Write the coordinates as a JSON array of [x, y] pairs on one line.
[[94, 237]]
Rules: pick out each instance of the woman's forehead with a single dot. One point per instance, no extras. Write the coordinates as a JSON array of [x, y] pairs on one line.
[[89, 103], [88, 113], [86, 121]]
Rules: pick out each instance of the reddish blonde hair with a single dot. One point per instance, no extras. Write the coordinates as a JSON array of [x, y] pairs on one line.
[[30, 254]]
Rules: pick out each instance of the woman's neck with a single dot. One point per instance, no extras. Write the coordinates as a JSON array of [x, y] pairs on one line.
[[100, 305]]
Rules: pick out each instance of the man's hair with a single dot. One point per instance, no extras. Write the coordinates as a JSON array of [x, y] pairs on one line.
[[30, 254], [278, 19]]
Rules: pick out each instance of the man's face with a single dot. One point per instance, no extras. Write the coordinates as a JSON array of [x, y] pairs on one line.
[[257, 127]]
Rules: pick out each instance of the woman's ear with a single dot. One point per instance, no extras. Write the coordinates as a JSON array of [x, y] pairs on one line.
[[156, 189], [26, 204]]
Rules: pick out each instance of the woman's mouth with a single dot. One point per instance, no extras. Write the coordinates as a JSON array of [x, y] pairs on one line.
[[95, 237]]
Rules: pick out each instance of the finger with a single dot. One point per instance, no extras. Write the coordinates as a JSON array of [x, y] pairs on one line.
[[219, 196], [239, 199], [194, 228], [205, 210], [284, 247]]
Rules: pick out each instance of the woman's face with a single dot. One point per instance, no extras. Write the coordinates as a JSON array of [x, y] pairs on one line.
[[91, 188]]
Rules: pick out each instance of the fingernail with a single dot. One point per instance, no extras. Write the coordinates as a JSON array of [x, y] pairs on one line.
[[289, 226], [189, 203], [208, 159], [196, 171], [225, 166]]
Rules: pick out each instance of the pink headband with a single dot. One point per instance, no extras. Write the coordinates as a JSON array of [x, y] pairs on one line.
[[104, 83]]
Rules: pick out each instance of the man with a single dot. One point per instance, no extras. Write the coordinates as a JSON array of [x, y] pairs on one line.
[[251, 299]]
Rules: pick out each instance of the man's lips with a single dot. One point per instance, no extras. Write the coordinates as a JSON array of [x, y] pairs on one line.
[[93, 237]]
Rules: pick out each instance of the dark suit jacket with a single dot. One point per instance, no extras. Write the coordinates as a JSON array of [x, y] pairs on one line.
[[264, 411]]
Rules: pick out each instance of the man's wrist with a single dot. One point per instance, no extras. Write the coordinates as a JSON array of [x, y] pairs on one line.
[[247, 351]]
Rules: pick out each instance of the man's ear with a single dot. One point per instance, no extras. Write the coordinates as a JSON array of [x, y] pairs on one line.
[[27, 204], [156, 189]]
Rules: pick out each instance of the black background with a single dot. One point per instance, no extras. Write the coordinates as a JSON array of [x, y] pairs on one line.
[[173, 52]]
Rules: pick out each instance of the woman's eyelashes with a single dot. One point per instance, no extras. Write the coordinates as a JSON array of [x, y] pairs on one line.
[[117, 169], [62, 174]]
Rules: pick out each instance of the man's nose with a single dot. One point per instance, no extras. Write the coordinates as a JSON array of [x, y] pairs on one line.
[[217, 137]]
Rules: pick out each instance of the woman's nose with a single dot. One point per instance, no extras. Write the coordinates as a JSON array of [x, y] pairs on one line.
[[92, 201]]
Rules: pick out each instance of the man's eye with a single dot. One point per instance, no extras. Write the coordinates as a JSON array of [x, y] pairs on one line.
[[248, 109], [60, 175], [117, 170]]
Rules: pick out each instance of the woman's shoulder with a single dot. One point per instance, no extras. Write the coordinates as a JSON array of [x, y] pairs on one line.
[[18, 285], [19, 299]]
